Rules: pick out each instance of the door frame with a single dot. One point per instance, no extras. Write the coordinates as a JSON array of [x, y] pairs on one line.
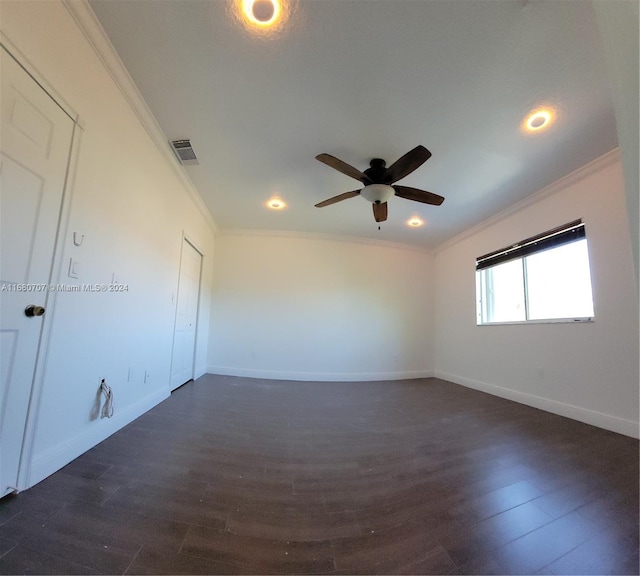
[[186, 238], [56, 269]]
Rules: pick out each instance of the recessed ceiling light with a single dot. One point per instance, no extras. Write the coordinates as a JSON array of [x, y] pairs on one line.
[[263, 19], [415, 222], [276, 204], [262, 12], [538, 120]]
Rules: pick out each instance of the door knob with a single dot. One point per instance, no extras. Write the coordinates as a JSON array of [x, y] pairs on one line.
[[33, 310]]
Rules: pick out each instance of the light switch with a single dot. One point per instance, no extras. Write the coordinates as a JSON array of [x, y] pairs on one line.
[[74, 268]]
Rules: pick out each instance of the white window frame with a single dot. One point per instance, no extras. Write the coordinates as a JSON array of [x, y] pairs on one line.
[[527, 247]]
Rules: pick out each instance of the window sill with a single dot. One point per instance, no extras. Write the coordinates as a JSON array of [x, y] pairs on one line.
[[545, 321]]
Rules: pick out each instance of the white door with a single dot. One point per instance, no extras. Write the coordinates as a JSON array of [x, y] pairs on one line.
[[35, 144], [184, 338]]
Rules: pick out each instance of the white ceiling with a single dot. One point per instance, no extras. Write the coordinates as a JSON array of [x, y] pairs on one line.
[[360, 79]]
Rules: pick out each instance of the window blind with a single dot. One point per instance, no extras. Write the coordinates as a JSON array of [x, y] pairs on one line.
[[553, 238]]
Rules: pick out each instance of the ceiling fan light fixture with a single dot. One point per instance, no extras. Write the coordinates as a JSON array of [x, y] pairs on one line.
[[415, 222], [377, 193]]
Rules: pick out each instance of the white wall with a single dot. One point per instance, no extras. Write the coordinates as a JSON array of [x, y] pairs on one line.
[[618, 26], [310, 308], [132, 207], [586, 371]]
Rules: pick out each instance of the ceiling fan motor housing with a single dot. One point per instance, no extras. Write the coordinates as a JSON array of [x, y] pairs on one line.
[[377, 172]]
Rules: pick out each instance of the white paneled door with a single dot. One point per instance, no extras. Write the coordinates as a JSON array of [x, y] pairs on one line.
[[184, 339], [35, 142]]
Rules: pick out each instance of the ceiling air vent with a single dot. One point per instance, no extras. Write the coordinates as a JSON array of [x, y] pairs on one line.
[[185, 152]]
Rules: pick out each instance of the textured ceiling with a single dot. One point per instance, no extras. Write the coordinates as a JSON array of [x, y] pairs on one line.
[[360, 79]]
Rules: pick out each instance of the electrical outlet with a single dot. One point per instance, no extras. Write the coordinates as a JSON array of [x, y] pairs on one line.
[[147, 376]]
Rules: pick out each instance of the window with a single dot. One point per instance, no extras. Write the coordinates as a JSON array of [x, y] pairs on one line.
[[546, 277]]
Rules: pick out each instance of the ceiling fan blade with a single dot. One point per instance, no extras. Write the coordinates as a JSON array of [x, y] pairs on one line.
[[408, 163], [380, 211], [338, 198], [418, 195], [343, 167]]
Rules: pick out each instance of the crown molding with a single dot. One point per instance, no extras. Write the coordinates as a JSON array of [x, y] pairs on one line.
[[553, 188], [85, 18]]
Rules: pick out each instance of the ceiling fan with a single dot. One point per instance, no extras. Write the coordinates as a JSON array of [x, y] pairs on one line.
[[378, 181]]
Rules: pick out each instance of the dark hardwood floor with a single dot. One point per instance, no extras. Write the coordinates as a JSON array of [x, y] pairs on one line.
[[239, 476]]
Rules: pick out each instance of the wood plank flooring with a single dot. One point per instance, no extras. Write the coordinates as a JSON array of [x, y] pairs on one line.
[[240, 476]]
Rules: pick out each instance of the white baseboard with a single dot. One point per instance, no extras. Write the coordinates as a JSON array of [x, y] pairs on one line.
[[599, 419], [44, 465], [319, 376]]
